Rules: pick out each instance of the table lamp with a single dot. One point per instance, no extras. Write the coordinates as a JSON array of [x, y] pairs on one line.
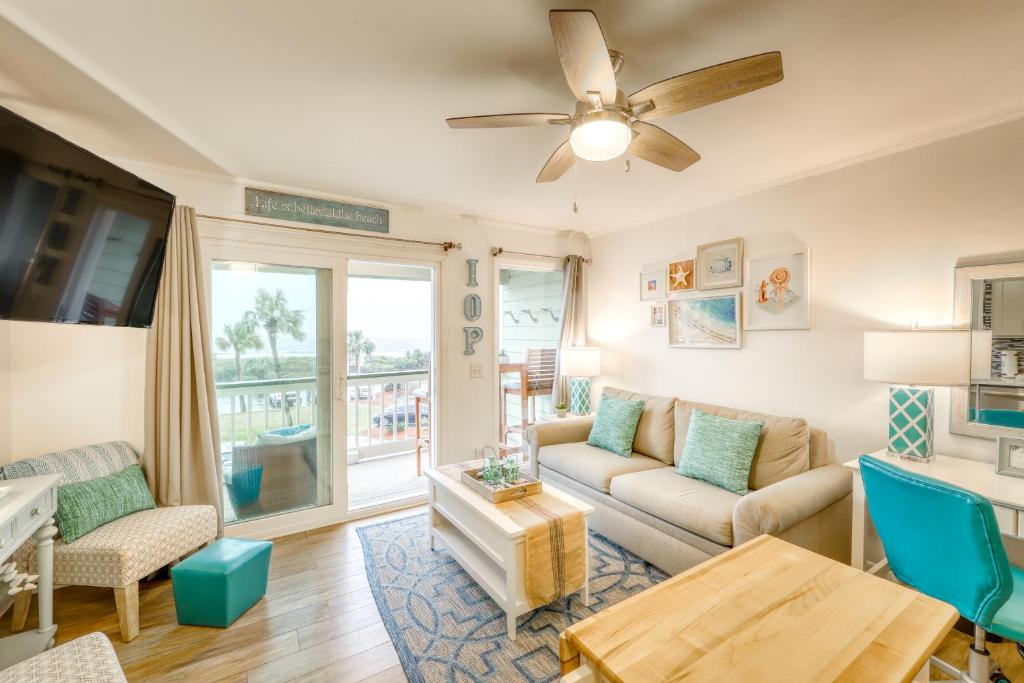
[[912, 362], [579, 363]]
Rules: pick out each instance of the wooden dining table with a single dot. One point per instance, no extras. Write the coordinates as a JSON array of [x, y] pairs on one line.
[[767, 611]]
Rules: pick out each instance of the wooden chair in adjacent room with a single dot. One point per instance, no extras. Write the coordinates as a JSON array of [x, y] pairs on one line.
[[540, 381]]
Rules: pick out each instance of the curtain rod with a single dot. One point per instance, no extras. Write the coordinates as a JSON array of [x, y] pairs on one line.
[[498, 251], [445, 246]]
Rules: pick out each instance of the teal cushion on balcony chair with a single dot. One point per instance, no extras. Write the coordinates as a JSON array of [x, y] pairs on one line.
[[944, 541], [243, 485], [218, 584]]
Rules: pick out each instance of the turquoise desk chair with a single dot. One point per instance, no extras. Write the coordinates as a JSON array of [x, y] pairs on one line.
[[943, 541]]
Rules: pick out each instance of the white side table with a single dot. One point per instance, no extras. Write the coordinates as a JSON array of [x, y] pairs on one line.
[[27, 512]]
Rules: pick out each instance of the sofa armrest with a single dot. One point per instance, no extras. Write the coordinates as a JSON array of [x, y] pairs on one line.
[[785, 503], [569, 430]]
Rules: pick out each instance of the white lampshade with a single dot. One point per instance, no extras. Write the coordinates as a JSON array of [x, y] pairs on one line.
[[580, 361], [937, 358], [981, 354]]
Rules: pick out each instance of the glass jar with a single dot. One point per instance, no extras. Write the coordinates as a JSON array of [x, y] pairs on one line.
[[492, 469], [510, 470]]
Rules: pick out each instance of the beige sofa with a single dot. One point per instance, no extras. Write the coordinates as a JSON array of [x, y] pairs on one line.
[[796, 492]]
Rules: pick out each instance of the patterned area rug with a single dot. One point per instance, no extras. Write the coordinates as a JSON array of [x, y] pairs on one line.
[[446, 628]]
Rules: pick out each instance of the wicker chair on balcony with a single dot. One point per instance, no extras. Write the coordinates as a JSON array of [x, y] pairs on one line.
[[540, 381]]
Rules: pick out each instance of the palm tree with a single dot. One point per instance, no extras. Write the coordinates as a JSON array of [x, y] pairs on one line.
[[358, 345], [240, 337], [276, 319]]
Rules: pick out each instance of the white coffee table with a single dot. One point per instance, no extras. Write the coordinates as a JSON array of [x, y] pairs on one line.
[[489, 545]]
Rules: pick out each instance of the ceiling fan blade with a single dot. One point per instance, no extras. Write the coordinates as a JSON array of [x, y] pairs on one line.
[[508, 120], [561, 161], [660, 147], [583, 53], [707, 86]]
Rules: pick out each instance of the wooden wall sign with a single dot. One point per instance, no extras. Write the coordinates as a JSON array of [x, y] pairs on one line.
[[293, 207]]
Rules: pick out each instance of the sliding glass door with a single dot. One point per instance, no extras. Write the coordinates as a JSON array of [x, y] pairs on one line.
[[322, 410], [272, 363]]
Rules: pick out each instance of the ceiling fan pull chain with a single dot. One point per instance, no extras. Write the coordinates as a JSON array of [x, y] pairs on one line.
[[575, 187], [627, 160]]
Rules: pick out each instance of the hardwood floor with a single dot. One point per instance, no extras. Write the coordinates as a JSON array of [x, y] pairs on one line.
[[318, 622]]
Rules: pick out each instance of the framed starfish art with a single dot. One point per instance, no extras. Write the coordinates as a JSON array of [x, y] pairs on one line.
[[680, 276]]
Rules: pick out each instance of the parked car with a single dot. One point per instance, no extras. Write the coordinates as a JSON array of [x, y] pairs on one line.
[[292, 397], [408, 417]]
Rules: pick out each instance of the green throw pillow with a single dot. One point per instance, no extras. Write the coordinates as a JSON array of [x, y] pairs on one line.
[[615, 425], [88, 505], [719, 450]]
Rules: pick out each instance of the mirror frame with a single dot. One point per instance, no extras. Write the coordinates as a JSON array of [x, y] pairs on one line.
[[959, 402]]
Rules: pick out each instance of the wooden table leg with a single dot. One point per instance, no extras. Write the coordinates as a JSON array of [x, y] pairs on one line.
[[569, 655]]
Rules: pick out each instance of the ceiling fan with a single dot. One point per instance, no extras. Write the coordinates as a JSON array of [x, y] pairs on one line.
[[606, 123]]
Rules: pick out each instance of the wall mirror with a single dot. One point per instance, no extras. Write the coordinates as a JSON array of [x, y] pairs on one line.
[[990, 301]]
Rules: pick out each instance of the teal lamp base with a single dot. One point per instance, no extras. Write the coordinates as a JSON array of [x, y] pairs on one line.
[[911, 422], [579, 395]]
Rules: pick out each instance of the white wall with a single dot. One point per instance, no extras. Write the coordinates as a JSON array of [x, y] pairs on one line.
[[72, 385], [885, 237]]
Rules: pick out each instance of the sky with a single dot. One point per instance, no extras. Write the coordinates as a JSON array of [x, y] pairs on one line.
[[394, 314]]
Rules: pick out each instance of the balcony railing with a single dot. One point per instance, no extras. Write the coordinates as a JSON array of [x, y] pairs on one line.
[[381, 410]]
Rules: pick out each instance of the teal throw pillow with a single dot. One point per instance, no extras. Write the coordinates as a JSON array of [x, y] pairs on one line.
[[615, 425], [719, 450], [88, 505]]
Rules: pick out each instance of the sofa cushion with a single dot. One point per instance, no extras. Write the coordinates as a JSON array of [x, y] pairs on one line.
[[720, 451], [615, 425], [594, 467], [88, 505], [76, 464], [656, 429], [88, 659], [782, 451], [690, 504], [127, 549]]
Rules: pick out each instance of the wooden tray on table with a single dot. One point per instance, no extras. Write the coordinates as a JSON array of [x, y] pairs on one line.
[[501, 492]]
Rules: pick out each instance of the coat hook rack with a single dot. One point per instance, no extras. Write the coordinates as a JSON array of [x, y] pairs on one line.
[[529, 312], [513, 316], [551, 312]]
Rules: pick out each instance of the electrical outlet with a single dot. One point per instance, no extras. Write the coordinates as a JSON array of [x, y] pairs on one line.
[[476, 370]]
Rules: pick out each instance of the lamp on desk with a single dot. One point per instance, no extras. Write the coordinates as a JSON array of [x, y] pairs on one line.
[[912, 362], [579, 363]]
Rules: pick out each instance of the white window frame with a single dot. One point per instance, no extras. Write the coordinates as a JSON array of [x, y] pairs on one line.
[[239, 241]]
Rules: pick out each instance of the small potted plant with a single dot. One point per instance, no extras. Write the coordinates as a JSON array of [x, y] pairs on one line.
[[560, 409]]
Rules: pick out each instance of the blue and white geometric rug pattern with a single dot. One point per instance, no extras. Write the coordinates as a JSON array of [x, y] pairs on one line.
[[445, 628]]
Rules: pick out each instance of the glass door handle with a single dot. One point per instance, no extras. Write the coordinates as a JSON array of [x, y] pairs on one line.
[[339, 387]]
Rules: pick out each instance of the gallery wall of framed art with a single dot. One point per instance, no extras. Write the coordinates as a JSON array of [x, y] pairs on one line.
[[709, 300]]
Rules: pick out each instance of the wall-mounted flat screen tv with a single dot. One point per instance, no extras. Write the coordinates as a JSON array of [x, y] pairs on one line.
[[81, 240]]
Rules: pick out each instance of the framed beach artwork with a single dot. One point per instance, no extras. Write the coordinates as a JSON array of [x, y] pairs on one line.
[[779, 292], [705, 322], [658, 315], [680, 276], [719, 264], [652, 284]]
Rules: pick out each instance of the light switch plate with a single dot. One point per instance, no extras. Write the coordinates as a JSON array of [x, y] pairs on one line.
[[476, 370]]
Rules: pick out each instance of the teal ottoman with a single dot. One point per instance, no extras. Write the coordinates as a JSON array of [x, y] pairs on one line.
[[219, 583]]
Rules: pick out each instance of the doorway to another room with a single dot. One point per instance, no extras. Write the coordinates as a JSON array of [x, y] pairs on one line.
[[530, 301]]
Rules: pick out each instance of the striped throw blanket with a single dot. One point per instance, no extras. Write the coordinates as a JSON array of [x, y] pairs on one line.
[[556, 544]]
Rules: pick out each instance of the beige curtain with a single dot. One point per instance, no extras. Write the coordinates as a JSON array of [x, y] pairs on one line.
[[574, 316], [182, 440]]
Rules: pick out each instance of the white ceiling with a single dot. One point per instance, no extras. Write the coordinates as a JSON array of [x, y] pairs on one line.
[[351, 97]]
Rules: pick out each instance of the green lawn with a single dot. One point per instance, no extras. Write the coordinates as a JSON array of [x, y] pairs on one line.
[[274, 418]]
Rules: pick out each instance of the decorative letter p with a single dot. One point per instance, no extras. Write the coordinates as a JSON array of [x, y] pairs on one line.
[[473, 335]]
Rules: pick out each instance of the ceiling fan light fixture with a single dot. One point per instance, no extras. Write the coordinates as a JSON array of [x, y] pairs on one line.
[[600, 135]]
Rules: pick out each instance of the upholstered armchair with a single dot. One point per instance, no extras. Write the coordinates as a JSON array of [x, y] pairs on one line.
[[116, 555]]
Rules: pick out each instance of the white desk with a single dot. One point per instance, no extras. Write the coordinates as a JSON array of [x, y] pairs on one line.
[[27, 512], [1005, 493]]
